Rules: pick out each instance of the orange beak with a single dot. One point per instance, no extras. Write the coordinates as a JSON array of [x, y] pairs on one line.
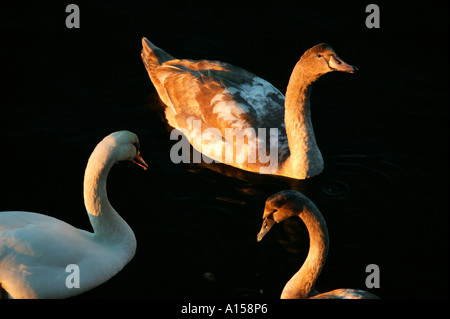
[[140, 161]]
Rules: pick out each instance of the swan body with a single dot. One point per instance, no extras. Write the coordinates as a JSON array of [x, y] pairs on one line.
[[36, 249], [218, 97], [289, 203]]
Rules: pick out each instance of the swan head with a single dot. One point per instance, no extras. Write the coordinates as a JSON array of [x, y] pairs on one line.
[[322, 59], [125, 147], [281, 206]]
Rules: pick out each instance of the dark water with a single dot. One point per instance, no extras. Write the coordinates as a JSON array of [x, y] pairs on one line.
[[383, 133]]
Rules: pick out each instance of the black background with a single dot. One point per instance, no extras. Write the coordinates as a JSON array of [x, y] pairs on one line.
[[383, 133]]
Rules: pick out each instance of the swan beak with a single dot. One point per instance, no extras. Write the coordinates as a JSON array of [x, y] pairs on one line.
[[146, 45], [140, 161], [337, 64], [266, 226]]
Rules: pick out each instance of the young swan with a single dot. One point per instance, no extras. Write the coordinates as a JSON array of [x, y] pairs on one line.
[[213, 102], [289, 203], [41, 256]]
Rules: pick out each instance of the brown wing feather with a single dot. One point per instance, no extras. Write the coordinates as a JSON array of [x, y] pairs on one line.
[[218, 94]]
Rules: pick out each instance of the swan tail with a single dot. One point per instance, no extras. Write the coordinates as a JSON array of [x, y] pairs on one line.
[[152, 56], [3, 293]]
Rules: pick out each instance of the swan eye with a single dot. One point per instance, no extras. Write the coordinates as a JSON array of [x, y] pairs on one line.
[[136, 145]]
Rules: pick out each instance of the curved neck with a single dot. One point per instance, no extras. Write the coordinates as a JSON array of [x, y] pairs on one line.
[[305, 158], [301, 285], [108, 226]]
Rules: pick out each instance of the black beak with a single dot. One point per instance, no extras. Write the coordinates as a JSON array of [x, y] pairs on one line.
[[266, 226]]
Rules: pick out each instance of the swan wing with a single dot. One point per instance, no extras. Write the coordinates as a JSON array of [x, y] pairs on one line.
[[220, 95], [35, 250], [38, 240], [345, 294]]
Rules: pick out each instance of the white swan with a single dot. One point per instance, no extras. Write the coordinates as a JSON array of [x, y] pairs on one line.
[[289, 203], [35, 249], [216, 96]]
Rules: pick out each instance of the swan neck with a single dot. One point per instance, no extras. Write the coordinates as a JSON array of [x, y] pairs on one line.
[[108, 226], [95, 177], [305, 157], [299, 88], [301, 285]]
